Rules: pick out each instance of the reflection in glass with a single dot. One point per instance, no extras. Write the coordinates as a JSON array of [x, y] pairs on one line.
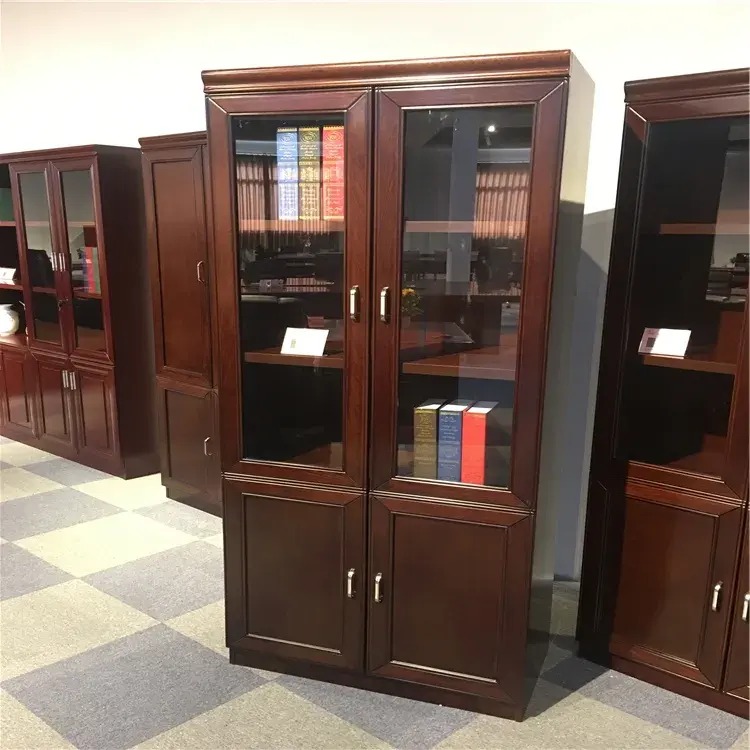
[[36, 229], [466, 195], [46, 317], [290, 214], [691, 273], [78, 204]]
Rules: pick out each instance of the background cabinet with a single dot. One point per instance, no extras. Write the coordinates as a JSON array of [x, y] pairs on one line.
[[346, 307], [178, 220], [75, 240], [660, 597]]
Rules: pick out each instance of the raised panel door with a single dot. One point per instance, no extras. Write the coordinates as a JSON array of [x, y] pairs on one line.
[[55, 422], [295, 572], [676, 579], [16, 393], [448, 595], [176, 225], [736, 678], [96, 412]]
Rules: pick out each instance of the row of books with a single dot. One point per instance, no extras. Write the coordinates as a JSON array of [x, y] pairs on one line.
[[302, 179], [462, 441]]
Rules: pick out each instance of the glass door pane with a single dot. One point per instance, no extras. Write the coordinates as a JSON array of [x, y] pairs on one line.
[[465, 207], [290, 240], [41, 259], [690, 283], [83, 261]]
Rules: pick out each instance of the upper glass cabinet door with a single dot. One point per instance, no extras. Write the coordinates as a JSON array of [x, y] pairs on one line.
[[300, 233], [685, 366]]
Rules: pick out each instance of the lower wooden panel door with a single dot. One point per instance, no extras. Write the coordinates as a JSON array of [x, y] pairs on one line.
[[295, 561], [677, 572], [736, 677], [94, 396], [16, 394], [55, 427], [448, 596], [189, 466]]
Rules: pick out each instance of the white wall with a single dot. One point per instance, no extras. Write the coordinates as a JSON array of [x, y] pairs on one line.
[[74, 73]]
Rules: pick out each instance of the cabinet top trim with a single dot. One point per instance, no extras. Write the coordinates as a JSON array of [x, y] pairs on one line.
[[390, 72], [197, 138], [67, 152], [715, 83]]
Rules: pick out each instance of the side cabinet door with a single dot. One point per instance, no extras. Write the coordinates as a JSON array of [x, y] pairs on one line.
[[448, 596], [736, 679], [96, 410], [676, 581], [16, 392], [295, 572], [55, 424]]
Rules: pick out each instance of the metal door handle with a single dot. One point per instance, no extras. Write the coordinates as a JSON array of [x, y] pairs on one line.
[[378, 593], [72, 380], [60, 261], [65, 379], [54, 262], [385, 293], [745, 607], [205, 447], [716, 596], [350, 583], [199, 267], [354, 303]]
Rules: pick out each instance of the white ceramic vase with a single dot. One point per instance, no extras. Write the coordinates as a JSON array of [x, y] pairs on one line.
[[8, 320]]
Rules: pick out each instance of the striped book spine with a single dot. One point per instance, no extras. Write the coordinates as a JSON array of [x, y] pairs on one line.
[[287, 173], [333, 172]]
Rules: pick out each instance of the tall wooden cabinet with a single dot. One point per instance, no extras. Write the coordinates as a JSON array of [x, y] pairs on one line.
[[664, 592], [179, 227], [385, 240], [76, 378]]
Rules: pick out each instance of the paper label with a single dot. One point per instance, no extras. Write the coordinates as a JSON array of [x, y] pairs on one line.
[[310, 342], [669, 342]]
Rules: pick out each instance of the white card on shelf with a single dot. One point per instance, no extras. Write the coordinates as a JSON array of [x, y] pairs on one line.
[[668, 342], [310, 342]]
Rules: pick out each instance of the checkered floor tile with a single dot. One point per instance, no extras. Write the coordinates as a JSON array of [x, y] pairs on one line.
[[112, 625]]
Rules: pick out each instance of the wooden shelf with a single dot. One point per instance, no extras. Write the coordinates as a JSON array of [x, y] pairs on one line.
[[7, 223], [703, 462], [698, 362], [44, 289], [11, 286], [81, 294], [18, 340], [303, 226], [273, 356], [700, 229], [484, 363]]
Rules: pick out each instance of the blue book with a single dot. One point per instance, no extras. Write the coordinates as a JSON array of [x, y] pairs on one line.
[[287, 174], [286, 145], [450, 421]]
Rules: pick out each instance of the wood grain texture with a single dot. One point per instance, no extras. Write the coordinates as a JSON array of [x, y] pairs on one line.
[[54, 406], [17, 394]]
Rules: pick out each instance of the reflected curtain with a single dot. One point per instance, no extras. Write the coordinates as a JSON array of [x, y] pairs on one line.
[[502, 201]]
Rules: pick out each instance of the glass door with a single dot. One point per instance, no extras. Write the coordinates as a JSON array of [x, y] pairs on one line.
[[461, 278], [685, 366], [41, 263], [84, 271], [299, 226]]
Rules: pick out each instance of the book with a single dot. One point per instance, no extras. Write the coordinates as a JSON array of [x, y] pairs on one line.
[[425, 438], [450, 421], [309, 200], [485, 444], [333, 172], [96, 278], [309, 173], [287, 173]]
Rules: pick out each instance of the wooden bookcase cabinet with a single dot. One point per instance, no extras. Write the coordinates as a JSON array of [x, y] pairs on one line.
[[75, 238], [179, 231], [342, 565], [664, 593]]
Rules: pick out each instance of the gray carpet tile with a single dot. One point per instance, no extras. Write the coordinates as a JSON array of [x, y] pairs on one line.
[[49, 511], [118, 695], [3, 465], [402, 723], [574, 673], [167, 584], [184, 518], [21, 572], [708, 726], [66, 472]]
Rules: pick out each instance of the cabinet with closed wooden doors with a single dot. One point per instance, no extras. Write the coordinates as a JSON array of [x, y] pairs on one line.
[[179, 229], [78, 369], [386, 236], [664, 586]]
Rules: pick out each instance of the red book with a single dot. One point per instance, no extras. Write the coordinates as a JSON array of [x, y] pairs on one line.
[[485, 442], [333, 172]]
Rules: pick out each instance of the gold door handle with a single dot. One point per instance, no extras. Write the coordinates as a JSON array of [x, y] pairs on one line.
[[354, 303], [745, 607], [385, 294], [716, 596], [378, 593], [199, 268], [350, 583]]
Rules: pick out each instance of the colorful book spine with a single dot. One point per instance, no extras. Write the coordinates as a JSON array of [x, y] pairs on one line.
[[486, 444], [309, 173], [426, 439], [450, 422], [96, 278], [333, 172], [287, 173]]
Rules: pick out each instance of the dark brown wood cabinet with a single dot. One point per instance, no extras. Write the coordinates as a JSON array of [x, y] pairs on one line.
[[663, 585], [178, 220], [83, 345], [385, 239]]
